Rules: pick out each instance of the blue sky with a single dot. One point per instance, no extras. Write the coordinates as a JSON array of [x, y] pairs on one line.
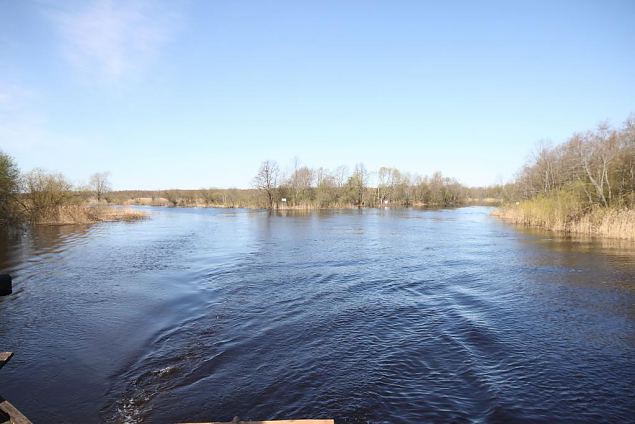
[[196, 94]]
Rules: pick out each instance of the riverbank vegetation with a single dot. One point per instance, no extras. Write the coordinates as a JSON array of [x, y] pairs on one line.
[[306, 188], [40, 197], [585, 185]]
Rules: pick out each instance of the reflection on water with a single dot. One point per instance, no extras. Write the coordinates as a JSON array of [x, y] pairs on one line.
[[21, 246], [380, 316], [579, 243]]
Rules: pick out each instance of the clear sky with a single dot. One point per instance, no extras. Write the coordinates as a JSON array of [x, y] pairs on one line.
[[195, 94]]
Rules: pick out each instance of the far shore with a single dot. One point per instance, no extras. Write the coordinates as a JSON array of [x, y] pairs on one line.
[[197, 203]]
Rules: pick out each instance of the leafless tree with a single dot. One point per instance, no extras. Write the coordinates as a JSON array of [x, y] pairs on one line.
[[341, 175], [597, 167], [301, 182], [45, 193], [100, 184], [326, 190], [596, 151], [357, 183], [266, 181]]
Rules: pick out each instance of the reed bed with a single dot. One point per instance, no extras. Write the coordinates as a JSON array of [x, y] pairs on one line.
[[83, 214], [565, 215]]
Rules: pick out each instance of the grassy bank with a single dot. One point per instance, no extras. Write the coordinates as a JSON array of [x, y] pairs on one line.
[[84, 214], [568, 216]]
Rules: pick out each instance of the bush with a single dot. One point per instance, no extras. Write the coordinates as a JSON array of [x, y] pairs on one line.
[[9, 188], [45, 194]]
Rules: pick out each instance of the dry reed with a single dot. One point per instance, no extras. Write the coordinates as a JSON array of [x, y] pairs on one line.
[[82, 214], [538, 213]]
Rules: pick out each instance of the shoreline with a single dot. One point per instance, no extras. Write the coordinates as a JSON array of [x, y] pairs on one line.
[[303, 207], [86, 215], [611, 223]]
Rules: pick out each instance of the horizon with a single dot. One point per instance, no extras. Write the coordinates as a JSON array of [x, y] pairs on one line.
[[197, 94]]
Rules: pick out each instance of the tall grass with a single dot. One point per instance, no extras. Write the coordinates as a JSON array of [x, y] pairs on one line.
[[565, 212], [84, 214]]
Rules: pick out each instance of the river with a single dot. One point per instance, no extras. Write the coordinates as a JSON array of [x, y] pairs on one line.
[[371, 316]]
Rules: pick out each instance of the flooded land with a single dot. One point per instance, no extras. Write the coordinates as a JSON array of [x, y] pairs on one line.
[[370, 316]]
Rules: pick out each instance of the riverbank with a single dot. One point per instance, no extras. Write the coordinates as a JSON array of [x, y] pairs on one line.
[[85, 214], [603, 222], [201, 203]]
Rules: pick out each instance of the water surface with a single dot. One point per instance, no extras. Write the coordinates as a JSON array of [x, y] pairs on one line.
[[374, 316]]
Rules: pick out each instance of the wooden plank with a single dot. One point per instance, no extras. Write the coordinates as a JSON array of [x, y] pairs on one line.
[[15, 416], [8, 411], [4, 358], [328, 421]]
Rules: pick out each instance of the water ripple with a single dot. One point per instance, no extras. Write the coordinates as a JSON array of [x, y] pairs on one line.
[[372, 317]]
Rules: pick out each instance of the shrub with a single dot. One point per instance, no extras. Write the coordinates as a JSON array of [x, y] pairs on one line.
[[9, 188]]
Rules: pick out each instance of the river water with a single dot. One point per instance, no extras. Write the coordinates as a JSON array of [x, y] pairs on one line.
[[374, 316]]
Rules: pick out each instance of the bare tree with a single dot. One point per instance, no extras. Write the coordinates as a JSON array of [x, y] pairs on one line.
[[294, 182], [326, 188], [341, 175], [266, 180], [302, 182], [383, 185], [100, 184], [391, 186], [596, 152], [596, 167], [357, 183]]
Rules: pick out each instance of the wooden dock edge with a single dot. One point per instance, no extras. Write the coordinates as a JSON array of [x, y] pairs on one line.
[[15, 416], [5, 357], [9, 412], [327, 421]]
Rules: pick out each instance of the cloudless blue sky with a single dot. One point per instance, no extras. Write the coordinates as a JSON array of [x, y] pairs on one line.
[[197, 93]]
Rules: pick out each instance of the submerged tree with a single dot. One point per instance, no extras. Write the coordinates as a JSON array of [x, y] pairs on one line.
[[357, 185], [266, 181]]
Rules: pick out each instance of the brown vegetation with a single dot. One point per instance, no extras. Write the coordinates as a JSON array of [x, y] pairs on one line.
[[85, 214], [308, 188], [605, 222], [585, 185], [319, 189], [40, 197], [9, 188]]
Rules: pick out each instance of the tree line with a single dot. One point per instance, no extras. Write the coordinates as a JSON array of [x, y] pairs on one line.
[[306, 187], [595, 167], [592, 169], [585, 185], [40, 196]]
